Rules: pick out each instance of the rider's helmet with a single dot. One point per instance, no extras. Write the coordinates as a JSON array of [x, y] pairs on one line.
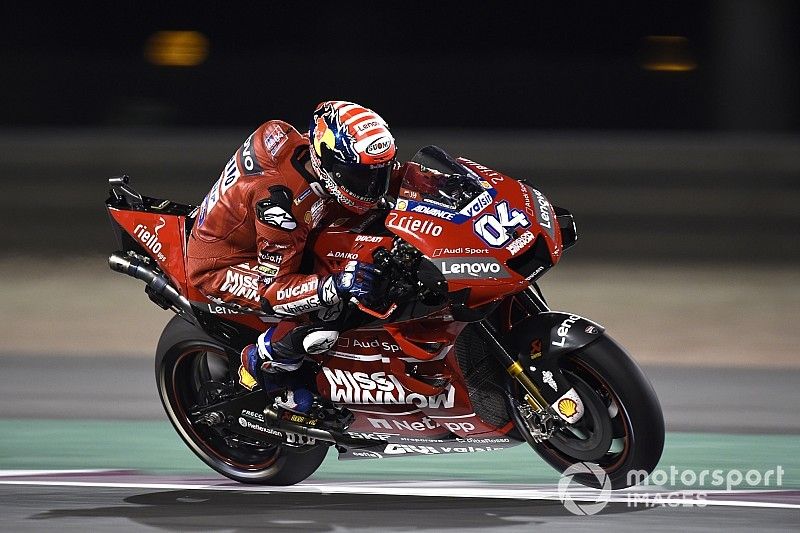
[[352, 152]]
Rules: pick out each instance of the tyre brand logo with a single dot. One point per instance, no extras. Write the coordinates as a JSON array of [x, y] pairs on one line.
[[547, 377]]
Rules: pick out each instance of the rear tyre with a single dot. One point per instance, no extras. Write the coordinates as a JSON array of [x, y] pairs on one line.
[[622, 429], [191, 368]]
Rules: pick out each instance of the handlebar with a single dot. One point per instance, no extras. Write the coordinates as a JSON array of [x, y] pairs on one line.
[[403, 276]]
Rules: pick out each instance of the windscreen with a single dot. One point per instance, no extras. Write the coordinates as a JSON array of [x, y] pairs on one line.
[[441, 181]]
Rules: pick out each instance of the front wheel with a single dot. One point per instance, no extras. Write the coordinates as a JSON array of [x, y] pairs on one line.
[[191, 369], [622, 429]]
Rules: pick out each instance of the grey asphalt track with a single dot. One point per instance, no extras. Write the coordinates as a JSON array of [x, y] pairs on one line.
[[232, 508], [730, 400]]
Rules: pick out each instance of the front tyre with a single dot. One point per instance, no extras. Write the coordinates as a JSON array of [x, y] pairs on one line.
[[191, 368], [622, 429]]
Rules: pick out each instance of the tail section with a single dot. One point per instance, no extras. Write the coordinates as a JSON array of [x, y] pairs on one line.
[[152, 235], [151, 227]]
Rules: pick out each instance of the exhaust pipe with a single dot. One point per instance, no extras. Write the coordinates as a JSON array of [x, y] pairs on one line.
[[158, 284]]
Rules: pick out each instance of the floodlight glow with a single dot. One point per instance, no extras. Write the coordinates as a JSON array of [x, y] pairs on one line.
[[176, 48]]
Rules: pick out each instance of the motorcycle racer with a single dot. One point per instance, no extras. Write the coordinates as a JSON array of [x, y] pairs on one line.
[[246, 246], [456, 345]]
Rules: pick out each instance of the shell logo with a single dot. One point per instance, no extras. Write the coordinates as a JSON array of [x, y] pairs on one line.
[[567, 407]]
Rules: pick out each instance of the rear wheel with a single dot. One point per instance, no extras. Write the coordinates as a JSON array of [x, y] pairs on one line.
[[622, 429], [193, 369]]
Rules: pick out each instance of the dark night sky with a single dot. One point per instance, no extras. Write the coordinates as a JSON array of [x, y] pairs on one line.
[[532, 64]]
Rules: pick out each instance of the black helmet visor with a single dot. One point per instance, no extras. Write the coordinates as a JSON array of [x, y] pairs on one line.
[[367, 181]]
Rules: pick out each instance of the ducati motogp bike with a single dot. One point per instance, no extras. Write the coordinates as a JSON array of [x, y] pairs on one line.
[[460, 353]]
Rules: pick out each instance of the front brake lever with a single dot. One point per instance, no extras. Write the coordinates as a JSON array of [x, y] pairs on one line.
[[372, 312]]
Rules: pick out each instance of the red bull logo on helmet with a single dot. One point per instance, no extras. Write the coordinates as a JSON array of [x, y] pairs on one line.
[[354, 133]]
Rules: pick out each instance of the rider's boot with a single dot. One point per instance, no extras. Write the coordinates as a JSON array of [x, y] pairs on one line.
[[274, 364], [272, 367]]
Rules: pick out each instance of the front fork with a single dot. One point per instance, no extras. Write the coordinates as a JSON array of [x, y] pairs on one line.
[[539, 419], [534, 396], [531, 351]]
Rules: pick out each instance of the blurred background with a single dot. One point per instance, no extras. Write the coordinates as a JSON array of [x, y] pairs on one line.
[[670, 129]]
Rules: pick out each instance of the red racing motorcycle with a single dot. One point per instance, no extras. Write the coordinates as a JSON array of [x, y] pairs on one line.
[[459, 354]]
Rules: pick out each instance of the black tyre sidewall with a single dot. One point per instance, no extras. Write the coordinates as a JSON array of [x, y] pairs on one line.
[[291, 466], [640, 403]]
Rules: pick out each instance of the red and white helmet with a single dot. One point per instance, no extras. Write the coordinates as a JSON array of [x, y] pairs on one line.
[[352, 152]]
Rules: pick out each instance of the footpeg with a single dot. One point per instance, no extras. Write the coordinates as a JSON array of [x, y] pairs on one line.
[[214, 418]]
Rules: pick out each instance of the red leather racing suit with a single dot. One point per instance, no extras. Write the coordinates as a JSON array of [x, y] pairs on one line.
[[248, 238], [247, 242]]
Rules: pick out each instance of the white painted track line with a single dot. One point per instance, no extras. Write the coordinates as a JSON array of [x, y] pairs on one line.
[[414, 489], [21, 473]]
